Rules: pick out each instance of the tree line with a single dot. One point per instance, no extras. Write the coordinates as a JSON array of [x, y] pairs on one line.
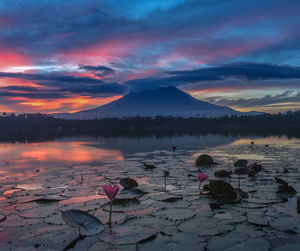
[[43, 126]]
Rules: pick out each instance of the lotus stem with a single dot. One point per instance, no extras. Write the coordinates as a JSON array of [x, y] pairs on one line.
[[200, 185], [239, 182], [110, 211], [165, 182]]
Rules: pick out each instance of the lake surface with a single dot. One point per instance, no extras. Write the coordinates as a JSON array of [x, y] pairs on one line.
[[41, 180]]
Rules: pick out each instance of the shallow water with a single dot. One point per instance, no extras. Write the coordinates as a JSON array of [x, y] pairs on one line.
[[41, 180]]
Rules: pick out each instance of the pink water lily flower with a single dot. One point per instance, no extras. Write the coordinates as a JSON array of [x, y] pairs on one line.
[[111, 191], [202, 177]]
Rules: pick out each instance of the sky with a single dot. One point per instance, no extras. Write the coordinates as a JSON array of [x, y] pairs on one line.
[[71, 55]]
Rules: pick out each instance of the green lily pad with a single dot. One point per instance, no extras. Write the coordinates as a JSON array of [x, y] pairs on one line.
[[226, 241], [205, 226], [175, 204], [175, 214], [257, 244], [258, 218], [86, 223], [177, 242], [128, 235], [285, 223]]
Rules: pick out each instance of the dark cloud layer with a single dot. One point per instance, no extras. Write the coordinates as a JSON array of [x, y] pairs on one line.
[[99, 70], [287, 97], [215, 76]]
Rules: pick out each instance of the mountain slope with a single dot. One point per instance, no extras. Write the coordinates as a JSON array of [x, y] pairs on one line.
[[165, 101]]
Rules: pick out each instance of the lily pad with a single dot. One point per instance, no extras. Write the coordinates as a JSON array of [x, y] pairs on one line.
[[205, 226], [128, 235], [87, 224], [102, 246], [164, 197], [175, 204], [285, 223], [175, 214], [149, 221], [258, 218], [177, 242], [124, 206], [226, 241], [257, 244]]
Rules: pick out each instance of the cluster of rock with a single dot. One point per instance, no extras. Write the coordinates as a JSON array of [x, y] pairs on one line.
[[223, 191], [242, 167]]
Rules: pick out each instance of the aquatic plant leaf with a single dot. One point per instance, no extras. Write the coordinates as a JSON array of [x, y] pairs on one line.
[[126, 235], [175, 204], [220, 243], [205, 226], [257, 244], [257, 218], [285, 223], [175, 214], [87, 224], [177, 242]]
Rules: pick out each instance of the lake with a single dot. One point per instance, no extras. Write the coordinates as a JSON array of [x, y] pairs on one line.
[[41, 180]]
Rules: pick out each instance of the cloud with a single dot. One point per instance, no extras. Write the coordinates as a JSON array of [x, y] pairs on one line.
[[288, 97], [99, 71], [58, 86], [50, 77], [230, 75]]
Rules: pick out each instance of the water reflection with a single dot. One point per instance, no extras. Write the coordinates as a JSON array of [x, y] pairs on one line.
[[74, 152]]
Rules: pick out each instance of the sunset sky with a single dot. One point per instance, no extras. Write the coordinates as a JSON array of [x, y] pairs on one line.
[[70, 55]]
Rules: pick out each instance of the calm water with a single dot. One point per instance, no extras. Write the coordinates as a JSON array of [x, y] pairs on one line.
[[71, 172]]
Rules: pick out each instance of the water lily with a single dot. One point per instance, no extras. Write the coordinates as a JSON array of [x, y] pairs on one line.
[[202, 177], [111, 192]]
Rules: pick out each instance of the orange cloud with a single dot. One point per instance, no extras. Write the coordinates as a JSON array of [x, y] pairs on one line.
[[69, 104]]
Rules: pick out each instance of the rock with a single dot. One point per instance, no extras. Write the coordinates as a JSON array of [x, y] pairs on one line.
[[214, 206], [205, 160], [222, 173], [255, 166], [251, 173], [128, 183], [221, 190], [241, 170], [241, 163], [149, 166]]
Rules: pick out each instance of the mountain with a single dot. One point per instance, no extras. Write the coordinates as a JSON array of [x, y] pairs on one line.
[[165, 101]]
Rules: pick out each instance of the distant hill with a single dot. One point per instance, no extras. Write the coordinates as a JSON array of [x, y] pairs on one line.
[[164, 101]]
